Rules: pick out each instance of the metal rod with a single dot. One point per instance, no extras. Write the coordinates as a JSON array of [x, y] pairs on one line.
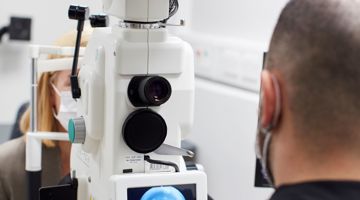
[[56, 136], [33, 177], [166, 149], [33, 111]]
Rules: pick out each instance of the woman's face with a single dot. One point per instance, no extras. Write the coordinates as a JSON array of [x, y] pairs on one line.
[[61, 81]]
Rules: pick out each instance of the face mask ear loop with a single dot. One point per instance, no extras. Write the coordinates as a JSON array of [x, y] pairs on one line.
[[54, 113], [267, 132], [264, 161], [55, 89]]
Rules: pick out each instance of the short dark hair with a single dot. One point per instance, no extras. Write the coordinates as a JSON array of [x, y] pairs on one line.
[[316, 47]]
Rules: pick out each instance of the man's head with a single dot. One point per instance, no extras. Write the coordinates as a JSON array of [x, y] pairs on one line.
[[315, 56]]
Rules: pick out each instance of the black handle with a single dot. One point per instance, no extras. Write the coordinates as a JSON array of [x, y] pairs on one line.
[[80, 14]]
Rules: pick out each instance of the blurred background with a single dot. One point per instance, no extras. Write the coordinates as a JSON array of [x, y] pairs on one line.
[[228, 37]]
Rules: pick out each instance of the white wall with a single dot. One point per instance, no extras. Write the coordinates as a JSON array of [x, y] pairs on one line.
[[245, 19], [49, 22]]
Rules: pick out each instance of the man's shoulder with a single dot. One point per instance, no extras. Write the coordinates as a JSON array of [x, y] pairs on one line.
[[12, 169], [329, 190], [12, 146]]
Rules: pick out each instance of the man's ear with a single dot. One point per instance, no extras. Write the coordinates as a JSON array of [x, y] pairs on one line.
[[268, 100]]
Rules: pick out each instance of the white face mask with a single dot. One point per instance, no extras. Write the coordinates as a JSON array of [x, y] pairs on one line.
[[68, 108]]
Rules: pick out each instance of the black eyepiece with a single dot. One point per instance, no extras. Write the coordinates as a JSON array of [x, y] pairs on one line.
[[155, 90], [149, 91]]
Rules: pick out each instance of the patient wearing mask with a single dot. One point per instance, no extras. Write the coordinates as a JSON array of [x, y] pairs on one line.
[[55, 107]]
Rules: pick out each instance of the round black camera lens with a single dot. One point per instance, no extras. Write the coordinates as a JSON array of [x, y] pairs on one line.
[[155, 90]]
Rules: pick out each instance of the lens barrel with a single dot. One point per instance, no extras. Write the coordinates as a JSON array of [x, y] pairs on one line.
[[149, 91]]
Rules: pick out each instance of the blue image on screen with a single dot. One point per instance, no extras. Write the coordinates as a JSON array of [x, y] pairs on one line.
[[163, 193], [174, 192]]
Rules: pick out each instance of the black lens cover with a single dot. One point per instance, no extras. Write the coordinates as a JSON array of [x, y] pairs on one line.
[[144, 131]]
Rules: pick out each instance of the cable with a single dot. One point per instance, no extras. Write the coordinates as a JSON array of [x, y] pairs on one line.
[[160, 162], [173, 8], [3, 30]]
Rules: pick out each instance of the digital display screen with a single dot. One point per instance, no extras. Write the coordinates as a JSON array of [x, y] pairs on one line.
[[172, 192]]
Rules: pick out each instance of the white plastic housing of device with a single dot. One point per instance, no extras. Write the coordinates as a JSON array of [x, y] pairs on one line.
[[112, 58], [137, 10]]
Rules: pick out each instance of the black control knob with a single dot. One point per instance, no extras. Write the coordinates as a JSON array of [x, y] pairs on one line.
[[78, 12], [144, 131], [99, 21]]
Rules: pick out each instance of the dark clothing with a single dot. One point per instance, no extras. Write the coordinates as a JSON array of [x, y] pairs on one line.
[[322, 190], [15, 132]]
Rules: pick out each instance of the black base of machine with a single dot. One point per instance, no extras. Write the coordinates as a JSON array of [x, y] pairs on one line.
[[34, 183], [60, 192]]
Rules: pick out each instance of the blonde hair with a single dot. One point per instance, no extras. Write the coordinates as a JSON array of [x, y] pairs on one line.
[[46, 121]]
